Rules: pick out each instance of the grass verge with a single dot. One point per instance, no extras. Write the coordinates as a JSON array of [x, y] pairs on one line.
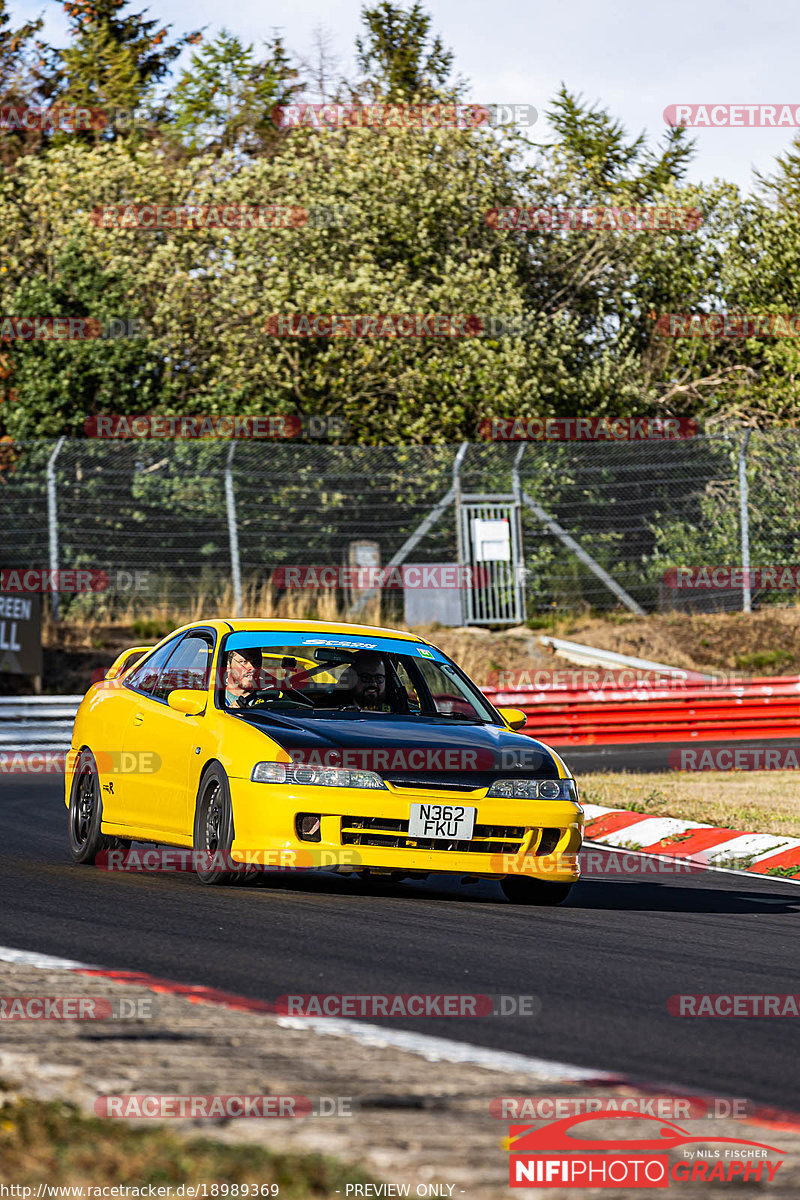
[[53, 1142], [752, 801]]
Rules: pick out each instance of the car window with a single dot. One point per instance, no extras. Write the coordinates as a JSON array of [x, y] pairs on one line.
[[326, 680], [187, 667], [145, 677], [449, 694], [404, 680]]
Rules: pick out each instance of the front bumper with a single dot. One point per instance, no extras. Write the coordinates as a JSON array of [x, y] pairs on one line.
[[362, 829]]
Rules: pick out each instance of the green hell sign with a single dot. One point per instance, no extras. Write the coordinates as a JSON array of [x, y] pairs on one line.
[[20, 634]]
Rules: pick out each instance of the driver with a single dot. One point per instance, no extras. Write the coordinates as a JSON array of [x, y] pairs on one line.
[[369, 689], [242, 676]]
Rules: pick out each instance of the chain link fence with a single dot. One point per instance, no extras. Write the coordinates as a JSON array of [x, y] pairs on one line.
[[192, 527]]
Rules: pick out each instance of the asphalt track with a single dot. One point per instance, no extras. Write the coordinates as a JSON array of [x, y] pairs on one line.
[[603, 965]]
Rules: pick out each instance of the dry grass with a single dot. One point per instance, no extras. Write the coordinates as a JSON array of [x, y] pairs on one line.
[[52, 1142], [478, 651], [259, 601], [765, 642], [752, 801], [482, 654]]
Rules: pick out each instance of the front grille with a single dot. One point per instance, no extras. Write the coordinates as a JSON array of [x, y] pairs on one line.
[[380, 831], [432, 780]]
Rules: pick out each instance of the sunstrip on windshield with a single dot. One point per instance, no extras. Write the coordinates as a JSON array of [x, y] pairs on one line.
[[329, 641]]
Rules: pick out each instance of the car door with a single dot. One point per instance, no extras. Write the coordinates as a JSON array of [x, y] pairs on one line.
[[141, 738], [181, 738]]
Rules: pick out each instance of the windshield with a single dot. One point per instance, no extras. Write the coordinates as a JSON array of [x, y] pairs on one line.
[[381, 676]]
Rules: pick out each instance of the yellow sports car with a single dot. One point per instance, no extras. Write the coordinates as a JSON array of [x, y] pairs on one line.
[[300, 744]]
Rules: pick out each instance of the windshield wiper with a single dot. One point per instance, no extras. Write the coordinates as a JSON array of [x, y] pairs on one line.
[[452, 717]]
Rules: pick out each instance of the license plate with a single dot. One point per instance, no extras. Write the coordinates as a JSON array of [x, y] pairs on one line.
[[450, 821]]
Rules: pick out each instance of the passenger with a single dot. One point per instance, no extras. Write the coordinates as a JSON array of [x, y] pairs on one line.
[[369, 687]]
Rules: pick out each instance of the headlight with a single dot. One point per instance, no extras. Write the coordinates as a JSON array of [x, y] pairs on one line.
[[535, 789], [270, 772]]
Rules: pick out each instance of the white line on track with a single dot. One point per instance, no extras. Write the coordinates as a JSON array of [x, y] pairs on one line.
[[436, 1049], [47, 962]]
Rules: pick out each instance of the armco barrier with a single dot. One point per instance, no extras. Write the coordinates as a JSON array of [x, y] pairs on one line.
[[758, 708], [37, 722]]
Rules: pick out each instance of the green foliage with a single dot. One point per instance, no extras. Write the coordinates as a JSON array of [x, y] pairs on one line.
[[146, 44], [397, 55], [27, 76], [224, 99], [410, 235], [760, 660]]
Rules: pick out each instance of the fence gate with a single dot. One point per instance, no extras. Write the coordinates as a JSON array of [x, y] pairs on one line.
[[490, 542]]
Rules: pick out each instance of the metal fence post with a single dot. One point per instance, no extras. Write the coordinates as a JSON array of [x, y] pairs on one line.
[[460, 547], [516, 487], [745, 523], [52, 526], [233, 534]]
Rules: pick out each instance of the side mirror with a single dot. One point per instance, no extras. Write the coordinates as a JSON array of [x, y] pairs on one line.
[[185, 701], [514, 717]]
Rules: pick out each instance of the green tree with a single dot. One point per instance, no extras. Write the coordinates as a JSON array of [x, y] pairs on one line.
[[224, 98], [398, 56], [28, 76], [116, 58]]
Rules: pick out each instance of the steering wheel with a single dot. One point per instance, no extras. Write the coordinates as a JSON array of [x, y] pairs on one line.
[[276, 694]]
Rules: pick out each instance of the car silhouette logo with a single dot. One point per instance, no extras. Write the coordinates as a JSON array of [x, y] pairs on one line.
[[557, 1136]]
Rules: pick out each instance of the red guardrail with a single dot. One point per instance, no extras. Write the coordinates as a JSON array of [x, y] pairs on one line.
[[688, 711]]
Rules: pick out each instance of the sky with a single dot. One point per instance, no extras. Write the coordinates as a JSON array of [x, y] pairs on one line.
[[634, 58]]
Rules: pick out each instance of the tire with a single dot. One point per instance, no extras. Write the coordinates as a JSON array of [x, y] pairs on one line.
[[86, 812], [213, 828], [521, 889]]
